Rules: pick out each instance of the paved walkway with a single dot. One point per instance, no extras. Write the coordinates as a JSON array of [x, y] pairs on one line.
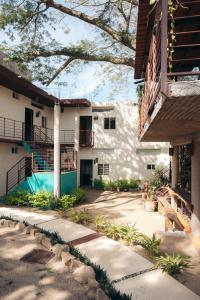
[[124, 207], [129, 272]]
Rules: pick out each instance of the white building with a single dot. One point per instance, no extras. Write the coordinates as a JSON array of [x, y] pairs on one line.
[[97, 139]]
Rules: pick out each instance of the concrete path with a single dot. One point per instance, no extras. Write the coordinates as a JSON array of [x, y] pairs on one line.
[[129, 272]]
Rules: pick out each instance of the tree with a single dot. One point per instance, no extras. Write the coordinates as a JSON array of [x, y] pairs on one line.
[[112, 24]]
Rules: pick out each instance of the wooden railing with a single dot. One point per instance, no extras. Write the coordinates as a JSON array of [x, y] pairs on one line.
[[86, 138], [158, 74], [176, 209], [156, 70]]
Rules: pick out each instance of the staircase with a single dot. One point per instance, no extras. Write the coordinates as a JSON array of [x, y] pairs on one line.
[[18, 173]]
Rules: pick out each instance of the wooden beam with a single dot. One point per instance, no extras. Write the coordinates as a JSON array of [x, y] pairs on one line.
[[164, 38]]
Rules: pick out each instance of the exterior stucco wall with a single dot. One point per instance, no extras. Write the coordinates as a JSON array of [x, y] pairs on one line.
[[7, 160], [15, 109], [119, 147]]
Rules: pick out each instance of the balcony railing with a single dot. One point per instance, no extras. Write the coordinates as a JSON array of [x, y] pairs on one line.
[[86, 138], [11, 129], [16, 130], [160, 71]]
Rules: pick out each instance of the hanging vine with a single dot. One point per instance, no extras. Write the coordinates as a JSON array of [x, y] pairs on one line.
[[173, 6]]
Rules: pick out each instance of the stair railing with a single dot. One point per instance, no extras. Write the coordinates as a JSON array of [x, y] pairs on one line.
[[18, 173]]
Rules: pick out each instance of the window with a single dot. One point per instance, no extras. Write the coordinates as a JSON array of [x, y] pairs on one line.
[[151, 167], [103, 169], [15, 95], [44, 122], [14, 150], [109, 123], [102, 109]]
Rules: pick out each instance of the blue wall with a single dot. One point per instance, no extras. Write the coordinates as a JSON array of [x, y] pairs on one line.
[[44, 182]]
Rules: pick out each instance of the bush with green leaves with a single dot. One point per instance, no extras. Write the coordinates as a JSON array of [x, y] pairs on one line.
[[134, 184], [80, 216], [98, 184], [173, 264], [100, 222], [79, 194], [152, 245], [41, 199], [121, 184], [19, 198], [45, 199]]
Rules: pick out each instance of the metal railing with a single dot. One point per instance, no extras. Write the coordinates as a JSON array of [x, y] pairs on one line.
[[43, 160], [16, 130], [11, 129], [86, 138], [18, 173]]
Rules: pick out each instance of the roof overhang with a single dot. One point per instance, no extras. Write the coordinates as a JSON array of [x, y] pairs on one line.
[[17, 83], [75, 102]]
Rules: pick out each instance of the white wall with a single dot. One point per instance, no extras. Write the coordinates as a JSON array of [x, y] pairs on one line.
[[7, 160], [15, 109], [119, 147]]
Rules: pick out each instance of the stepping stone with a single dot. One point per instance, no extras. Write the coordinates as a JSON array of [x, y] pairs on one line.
[[67, 230], [155, 285], [116, 259]]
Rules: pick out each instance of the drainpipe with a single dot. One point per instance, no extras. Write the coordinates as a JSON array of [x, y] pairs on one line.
[[57, 150]]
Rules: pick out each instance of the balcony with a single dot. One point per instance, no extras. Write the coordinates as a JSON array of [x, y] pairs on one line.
[[86, 138], [16, 131], [170, 105]]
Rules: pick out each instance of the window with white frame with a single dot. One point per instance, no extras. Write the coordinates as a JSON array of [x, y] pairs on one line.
[[109, 123], [151, 167], [14, 150], [103, 169]]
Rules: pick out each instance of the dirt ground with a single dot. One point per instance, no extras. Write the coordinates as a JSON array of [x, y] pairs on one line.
[[20, 280]]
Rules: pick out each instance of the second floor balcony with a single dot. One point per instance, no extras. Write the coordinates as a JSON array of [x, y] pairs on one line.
[[86, 138], [16, 131], [168, 61]]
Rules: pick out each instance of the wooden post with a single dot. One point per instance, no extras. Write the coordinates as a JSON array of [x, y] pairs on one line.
[[164, 42]]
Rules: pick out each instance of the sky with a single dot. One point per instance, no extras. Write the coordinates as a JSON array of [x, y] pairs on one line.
[[87, 83]]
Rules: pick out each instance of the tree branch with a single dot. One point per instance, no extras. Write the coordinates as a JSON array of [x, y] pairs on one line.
[[75, 53], [64, 66], [120, 37]]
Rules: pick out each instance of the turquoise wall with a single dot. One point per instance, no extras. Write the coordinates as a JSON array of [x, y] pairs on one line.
[[44, 182]]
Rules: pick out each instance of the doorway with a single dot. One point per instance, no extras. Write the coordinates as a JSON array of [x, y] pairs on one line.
[[28, 124], [85, 131], [86, 172]]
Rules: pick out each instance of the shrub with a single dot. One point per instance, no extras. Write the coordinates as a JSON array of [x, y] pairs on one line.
[[151, 245], [80, 216], [100, 222], [79, 194], [41, 199], [173, 264], [122, 184], [98, 184], [108, 185], [66, 202], [19, 198], [134, 183], [122, 232]]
